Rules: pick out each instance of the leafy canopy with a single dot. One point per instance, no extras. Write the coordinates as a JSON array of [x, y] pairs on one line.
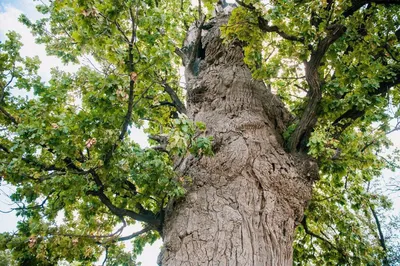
[[336, 66], [69, 150]]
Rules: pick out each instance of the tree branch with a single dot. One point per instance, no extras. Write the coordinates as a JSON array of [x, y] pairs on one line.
[[38, 206], [298, 139], [354, 113], [8, 115], [133, 25], [147, 217], [117, 25], [31, 161], [180, 107], [144, 230], [118, 232], [263, 24], [159, 139], [132, 80], [381, 236], [182, 55], [4, 148], [307, 230], [105, 257], [308, 120], [3, 90], [41, 166]]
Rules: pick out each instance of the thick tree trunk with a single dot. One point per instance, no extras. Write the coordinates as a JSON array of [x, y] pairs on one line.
[[245, 202]]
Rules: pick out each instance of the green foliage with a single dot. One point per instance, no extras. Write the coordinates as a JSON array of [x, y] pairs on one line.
[[16, 71], [186, 138], [116, 256], [69, 151], [6, 258], [352, 116]]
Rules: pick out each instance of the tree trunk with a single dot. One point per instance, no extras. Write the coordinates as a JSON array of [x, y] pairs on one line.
[[244, 202]]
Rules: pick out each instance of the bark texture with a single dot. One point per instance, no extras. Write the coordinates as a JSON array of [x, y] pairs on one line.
[[245, 202]]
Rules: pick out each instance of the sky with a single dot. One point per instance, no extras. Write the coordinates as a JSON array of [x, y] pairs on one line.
[[9, 13]]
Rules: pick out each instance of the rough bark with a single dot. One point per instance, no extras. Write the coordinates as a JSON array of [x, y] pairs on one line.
[[244, 202]]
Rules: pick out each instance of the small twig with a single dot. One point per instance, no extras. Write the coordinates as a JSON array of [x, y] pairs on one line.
[[106, 257], [380, 235], [307, 230], [3, 90], [199, 9], [144, 230], [302, 77], [91, 63], [39, 206], [117, 25]]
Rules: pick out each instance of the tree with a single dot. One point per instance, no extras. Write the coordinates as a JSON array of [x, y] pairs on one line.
[[6, 259], [278, 95]]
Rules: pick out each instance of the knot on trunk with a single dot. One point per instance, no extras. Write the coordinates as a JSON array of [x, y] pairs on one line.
[[307, 166]]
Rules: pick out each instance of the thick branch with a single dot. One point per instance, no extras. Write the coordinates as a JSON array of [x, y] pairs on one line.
[[182, 55], [70, 164], [159, 139], [299, 137], [8, 115], [336, 31], [163, 103], [263, 24], [132, 80], [128, 115], [180, 107], [148, 217], [120, 212], [133, 25]]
